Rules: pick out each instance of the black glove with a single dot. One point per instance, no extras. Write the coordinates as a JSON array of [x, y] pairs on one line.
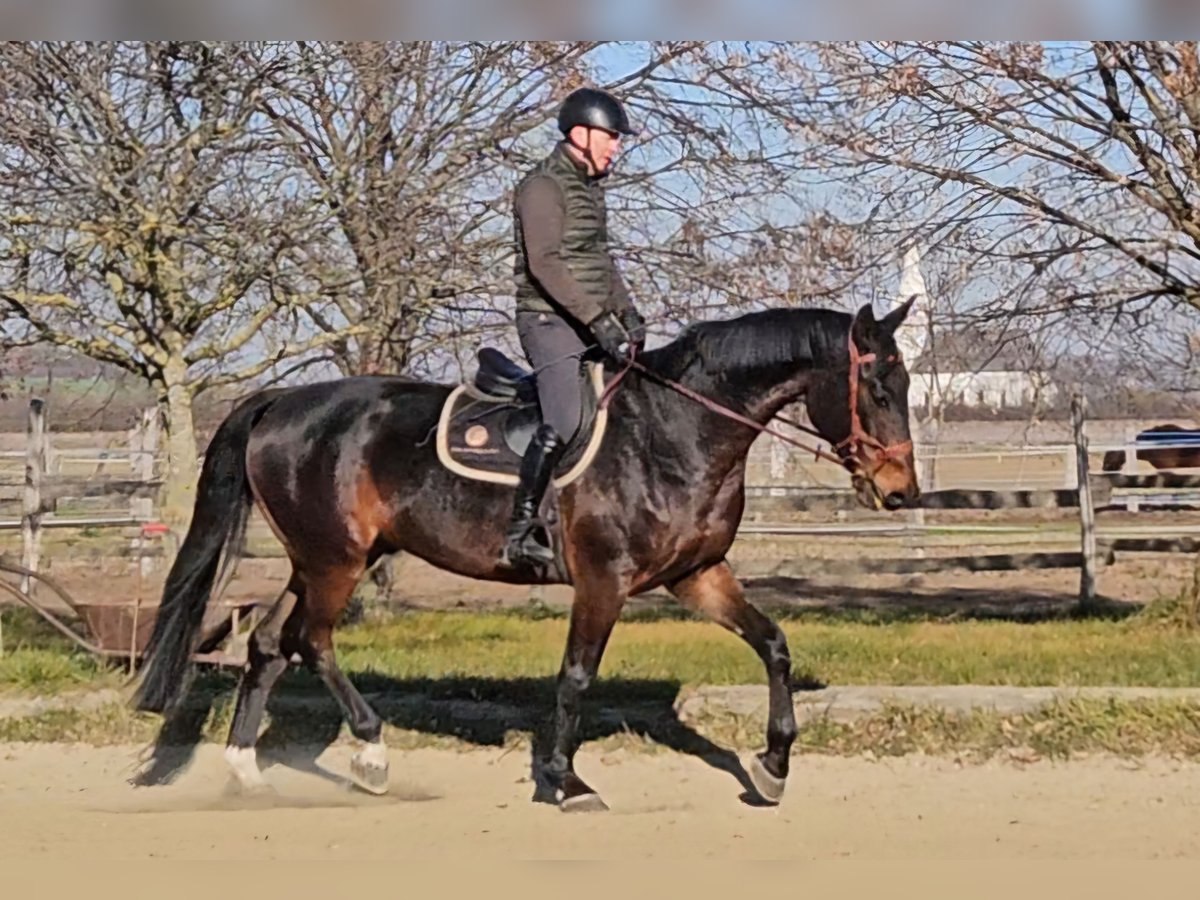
[[635, 326], [611, 335]]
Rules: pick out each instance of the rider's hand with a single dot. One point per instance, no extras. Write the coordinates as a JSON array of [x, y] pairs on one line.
[[611, 335], [635, 326]]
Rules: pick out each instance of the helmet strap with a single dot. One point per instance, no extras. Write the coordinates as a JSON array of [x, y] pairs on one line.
[[587, 152]]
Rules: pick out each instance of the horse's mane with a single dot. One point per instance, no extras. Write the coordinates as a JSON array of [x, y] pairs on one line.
[[754, 341]]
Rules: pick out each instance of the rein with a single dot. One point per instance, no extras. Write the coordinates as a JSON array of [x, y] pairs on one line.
[[854, 442], [712, 405]]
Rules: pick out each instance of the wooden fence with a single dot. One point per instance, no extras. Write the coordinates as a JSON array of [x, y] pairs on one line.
[[1090, 492], [46, 481], [125, 482]]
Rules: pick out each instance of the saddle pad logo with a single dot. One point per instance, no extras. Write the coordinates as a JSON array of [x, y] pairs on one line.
[[476, 436]]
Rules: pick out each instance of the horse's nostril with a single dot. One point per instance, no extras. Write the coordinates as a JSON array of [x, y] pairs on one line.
[[894, 500]]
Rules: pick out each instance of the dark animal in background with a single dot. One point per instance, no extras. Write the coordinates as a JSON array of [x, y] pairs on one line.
[[1182, 457]]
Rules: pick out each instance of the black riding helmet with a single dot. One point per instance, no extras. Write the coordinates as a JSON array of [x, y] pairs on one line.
[[593, 108]]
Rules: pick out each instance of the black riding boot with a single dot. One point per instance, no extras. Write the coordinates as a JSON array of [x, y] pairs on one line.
[[537, 466]]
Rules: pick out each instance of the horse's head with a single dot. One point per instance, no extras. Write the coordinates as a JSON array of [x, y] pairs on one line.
[[1113, 461], [862, 410]]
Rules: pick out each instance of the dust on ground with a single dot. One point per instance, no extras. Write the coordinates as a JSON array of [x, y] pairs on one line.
[[73, 802]]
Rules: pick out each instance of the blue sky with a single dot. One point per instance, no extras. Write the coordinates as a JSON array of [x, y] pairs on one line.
[[616, 60]]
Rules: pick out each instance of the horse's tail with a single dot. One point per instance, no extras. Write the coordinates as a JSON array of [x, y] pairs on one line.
[[217, 529]]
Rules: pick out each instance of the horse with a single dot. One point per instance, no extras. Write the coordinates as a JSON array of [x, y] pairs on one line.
[[1159, 457], [343, 473]]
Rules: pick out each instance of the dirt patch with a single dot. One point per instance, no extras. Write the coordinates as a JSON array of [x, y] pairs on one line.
[[1133, 579], [74, 803]]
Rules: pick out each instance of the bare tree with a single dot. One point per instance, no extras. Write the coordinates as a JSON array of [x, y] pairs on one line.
[[1066, 177], [414, 150], [201, 214], [400, 144], [148, 221]]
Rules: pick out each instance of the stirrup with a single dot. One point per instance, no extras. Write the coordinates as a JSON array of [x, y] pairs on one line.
[[524, 547]]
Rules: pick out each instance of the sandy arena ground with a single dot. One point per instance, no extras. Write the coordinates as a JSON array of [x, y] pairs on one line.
[[73, 803]]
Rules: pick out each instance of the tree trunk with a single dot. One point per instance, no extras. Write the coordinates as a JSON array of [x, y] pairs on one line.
[[183, 470]]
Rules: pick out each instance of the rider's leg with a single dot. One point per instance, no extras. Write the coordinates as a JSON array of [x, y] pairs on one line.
[[537, 468], [554, 350]]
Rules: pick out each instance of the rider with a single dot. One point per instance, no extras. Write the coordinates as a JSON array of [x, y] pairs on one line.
[[570, 295]]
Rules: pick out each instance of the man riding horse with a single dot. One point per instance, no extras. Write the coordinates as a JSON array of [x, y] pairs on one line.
[[344, 472], [570, 294]]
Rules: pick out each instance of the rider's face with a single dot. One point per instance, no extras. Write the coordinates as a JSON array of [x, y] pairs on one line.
[[601, 146]]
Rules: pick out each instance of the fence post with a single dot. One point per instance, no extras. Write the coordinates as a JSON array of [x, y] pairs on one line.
[[1070, 475], [929, 435], [1131, 466], [779, 456], [35, 468], [1087, 514], [143, 451]]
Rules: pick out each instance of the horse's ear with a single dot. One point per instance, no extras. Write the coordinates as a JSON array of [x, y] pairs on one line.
[[893, 320], [866, 329]]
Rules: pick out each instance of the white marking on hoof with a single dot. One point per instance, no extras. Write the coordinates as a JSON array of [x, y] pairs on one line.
[[244, 763], [768, 786], [369, 768], [374, 754], [583, 803]]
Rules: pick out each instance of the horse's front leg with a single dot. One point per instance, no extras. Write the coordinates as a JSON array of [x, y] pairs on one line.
[[716, 592], [596, 608]]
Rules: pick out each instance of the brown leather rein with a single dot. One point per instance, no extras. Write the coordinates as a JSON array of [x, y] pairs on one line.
[[854, 443]]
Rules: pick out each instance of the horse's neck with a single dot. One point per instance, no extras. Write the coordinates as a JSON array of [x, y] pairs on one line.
[[697, 446], [759, 397], [712, 443]]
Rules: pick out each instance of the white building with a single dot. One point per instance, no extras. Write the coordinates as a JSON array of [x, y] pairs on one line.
[[974, 368], [969, 367]]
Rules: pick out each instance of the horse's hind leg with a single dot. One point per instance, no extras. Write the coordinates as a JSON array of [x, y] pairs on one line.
[[271, 644], [327, 597], [716, 592]]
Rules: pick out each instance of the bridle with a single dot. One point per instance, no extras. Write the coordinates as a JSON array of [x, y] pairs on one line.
[[860, 453], [858, 439]]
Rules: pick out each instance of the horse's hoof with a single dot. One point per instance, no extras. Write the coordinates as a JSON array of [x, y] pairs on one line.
[[369, 769], [372, 779], [583, 803], [545, 793], [768, 786], [247, 777]]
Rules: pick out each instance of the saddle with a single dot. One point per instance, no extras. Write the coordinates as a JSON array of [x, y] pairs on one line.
[[487, 423]]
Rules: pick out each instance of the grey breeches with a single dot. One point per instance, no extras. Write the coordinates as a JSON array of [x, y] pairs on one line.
[[555, 350]]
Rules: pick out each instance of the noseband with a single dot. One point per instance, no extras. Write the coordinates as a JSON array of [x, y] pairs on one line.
[[867, 453]]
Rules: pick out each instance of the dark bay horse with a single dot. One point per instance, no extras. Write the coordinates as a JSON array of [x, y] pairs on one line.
[[343, 473], [1180, 457]]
